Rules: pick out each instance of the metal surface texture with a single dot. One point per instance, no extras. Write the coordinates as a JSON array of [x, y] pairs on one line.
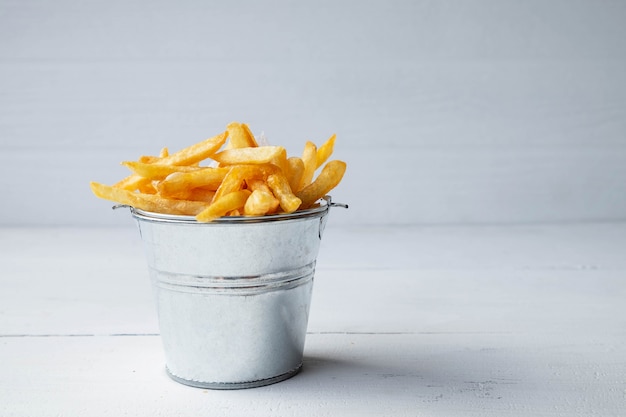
[[233, 295]]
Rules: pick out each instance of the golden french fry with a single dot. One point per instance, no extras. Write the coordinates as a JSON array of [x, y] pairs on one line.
[[149, 159], [281, 161], [156, 170], [254, 184], [178, 183], [240, 136], [233, 181], [197, 152], [148, 202], [280, 187], [325, 151], [239, 174], [260, 185], [229, 202], [187, 156], [246, 179], [201, 194], [331, 175], [258, 155], [260, 203], [146, 187], [295, 169], [194, 194], [251, 138], [132, 182], [309, 158]]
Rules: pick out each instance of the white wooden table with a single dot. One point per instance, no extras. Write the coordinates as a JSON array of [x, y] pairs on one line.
[[525, 320]]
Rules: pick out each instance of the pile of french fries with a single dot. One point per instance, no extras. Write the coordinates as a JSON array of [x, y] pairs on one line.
[[244, 179]]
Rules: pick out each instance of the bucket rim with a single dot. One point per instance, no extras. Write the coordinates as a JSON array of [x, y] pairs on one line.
[[319, 210]]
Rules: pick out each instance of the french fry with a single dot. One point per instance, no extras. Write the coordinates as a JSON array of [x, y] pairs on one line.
[[281, 161], [254, 184], [251, 138], [149, 159], [233, 181], [156, 170], [186, 156], [329, 178], [260, 185], [324, 151], [195, 194], [197, 152], [178, 182], [201, 194], [238, 174], [240, 136], [146, 187], [260, 203], [132, 182], [147, 202], [229, 202], [244, 179], [295, 169], [258, 155], [309, 158], [280, 187]]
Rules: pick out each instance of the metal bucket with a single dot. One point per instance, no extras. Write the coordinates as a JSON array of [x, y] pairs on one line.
[[233, 295]]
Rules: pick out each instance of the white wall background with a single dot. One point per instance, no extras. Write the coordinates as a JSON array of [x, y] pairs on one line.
[[446, 111]]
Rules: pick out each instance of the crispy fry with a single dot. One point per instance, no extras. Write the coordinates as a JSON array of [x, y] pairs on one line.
[[324, 151], [251, 138], [147, 187], [260, 203], [233, 201], [281, 161], [331, 175], [187, 156], [132, 182], [254, 184], [240, 136], [197, 152], [258, 155], [233, 181], [178, 182], [201, 194], [195, 194], [238, 174], [309, 158], [156, 170], [243, 179], [280, 187], [149, 159], [148, 202], [295, 169]]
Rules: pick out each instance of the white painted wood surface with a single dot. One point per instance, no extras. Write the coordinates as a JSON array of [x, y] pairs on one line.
[[447, 112], [487, 111], [412, 321]]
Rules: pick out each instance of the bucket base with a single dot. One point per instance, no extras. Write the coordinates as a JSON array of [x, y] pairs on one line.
[[235, 385]]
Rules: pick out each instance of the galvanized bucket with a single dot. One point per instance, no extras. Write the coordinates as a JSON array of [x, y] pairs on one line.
[[233, 295]]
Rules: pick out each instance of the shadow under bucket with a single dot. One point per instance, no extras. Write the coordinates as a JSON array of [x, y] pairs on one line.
[[233, 295]]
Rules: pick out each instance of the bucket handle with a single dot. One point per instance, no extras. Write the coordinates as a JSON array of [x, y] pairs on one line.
[[324, 218]]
